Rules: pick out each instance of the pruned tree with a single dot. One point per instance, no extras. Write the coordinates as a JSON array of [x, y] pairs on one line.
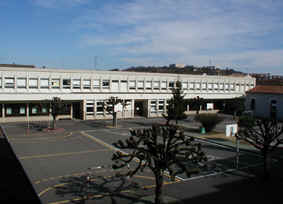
[[57, 105], [197, 103], [176, 105], [161, 149], [109, 106], [264, 134]]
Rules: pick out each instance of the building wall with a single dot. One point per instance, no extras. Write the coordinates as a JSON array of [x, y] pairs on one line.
[[36, 85], [262, 105]]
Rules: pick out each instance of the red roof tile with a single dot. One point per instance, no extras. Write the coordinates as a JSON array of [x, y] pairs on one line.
[[267, 89]]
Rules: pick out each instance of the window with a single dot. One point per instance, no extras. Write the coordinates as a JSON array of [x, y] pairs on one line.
[[156, 85], [33, 83], [76, 83], [105, 83], [66, 110], [164, 85], [197, 85], [96, 84], [123, 85], [21, 83], [99, 108], [44, 83], [232, 87], [221, 86], [90, 107], [161, 105], [226, 87], [9, 82], [171, 84], [215, 86], [153, 107], [115, 85], [203, 86], [89, 110], [55, 83], [140, 84], [15, 110], [273, 109], [66, 83], [132, 84], [192, 85], [148, 85], [128, 104], [237, 87], [185, 85], [39, 108], [86, 83], [209, 86]]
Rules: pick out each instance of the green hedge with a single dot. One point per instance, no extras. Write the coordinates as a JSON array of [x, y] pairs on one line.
[[208, 121]]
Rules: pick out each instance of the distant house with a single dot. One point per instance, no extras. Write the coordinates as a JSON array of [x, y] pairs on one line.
[[266, 101]]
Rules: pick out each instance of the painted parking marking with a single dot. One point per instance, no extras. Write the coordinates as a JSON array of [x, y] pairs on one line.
[[111, 147], [44, 156]]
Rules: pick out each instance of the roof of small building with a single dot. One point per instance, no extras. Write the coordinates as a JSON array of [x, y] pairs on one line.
[[264, 89]]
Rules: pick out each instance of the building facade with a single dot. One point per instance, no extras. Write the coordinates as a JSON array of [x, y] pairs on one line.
[[26, 92], [266, 101]]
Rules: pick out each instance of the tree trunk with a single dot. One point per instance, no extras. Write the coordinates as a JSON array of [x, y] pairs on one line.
[[114, 119], [54, 123], [158, 188], [266, 174]]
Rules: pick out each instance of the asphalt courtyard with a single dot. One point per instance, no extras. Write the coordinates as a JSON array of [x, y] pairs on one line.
[[73, 164]]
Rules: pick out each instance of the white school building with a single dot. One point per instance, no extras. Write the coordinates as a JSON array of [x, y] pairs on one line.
[[25, 92]]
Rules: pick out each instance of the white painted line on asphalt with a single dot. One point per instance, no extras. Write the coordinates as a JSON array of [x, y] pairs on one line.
[[218, 173], [111, 147]]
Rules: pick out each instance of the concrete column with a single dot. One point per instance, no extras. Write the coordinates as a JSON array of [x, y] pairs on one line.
[[3, 111], [133, 108], [84, 109], [49, 82], [94, 107], [27, 113], [148, 108]]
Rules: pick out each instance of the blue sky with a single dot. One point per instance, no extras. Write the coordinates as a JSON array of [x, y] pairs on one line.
[[241, 34]]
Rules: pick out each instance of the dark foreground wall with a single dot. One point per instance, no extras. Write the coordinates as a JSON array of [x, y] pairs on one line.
[[14, 183]]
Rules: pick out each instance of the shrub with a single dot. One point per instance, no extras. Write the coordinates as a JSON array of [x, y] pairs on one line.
[[208, 121]]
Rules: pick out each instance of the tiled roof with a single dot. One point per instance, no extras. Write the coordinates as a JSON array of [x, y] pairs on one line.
[[267, 89]]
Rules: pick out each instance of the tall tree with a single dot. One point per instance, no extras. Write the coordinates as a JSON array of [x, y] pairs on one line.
[[264, 134], [161, 149], [57, 106], [109, 106], [176, 105]]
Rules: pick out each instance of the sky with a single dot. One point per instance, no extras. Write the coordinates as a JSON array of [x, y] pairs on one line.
[[246, 35]]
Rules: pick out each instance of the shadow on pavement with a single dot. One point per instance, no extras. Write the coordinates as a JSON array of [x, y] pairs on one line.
[[115, 189], [15, 187]]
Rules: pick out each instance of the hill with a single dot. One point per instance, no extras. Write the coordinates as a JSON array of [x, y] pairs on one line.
[[209, 70]]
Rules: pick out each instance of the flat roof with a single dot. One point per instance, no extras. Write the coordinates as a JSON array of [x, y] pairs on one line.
[[88, 71]]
